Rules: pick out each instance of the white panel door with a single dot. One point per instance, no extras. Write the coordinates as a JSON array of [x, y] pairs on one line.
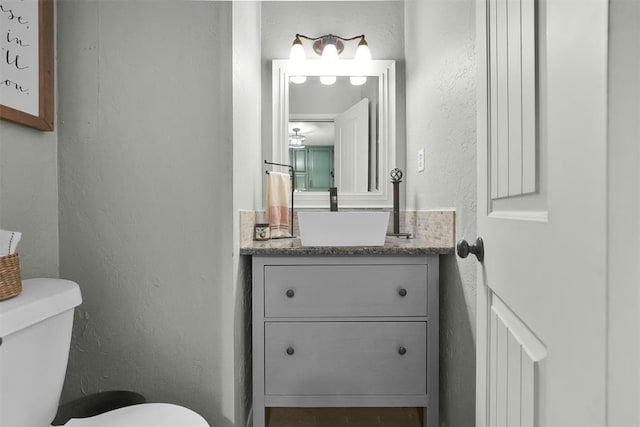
[[542, 150], [352, 149]]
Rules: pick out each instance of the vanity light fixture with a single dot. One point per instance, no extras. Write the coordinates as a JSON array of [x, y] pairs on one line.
[[296, 140], [329, 47]]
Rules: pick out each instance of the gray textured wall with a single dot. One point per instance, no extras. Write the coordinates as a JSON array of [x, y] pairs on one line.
[[29, 195], [145, 155], [441, 118]]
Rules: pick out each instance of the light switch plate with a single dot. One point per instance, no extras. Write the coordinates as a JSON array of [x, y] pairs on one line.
[[421, 160]]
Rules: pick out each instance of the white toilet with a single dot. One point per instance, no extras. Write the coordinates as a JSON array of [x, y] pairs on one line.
[[35, 334]]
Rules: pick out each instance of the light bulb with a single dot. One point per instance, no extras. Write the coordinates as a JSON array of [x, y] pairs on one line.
[[298, 79], [297, 51], [328, 80], [357, 80], [363, 54], [330, 53]]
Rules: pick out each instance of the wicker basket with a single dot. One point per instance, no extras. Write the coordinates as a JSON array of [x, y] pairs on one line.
[[10, 282]]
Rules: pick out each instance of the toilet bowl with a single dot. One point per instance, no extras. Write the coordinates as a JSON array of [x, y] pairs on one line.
[[144, 415], [35, 334]]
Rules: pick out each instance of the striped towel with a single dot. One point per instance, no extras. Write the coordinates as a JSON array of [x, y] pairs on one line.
[[278, 190]]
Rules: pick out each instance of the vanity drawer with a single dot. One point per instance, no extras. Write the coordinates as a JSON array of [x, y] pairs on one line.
[[345, 358], [345, 290]]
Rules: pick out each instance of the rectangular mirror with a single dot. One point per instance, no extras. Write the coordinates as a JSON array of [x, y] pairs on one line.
[[348, 130]]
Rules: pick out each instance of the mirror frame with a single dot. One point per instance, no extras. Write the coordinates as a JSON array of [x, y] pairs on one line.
[[385, 70]]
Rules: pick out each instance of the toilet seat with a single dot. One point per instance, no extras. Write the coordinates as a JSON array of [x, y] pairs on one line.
[[143, 415]]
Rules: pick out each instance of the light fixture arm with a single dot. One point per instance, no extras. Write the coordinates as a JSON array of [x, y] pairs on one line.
[[321, 41], [361, 36]]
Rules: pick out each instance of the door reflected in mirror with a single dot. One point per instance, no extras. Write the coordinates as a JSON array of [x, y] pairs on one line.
[[339, 123]]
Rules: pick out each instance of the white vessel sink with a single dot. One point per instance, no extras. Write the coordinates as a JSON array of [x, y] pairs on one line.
[[343, 228]]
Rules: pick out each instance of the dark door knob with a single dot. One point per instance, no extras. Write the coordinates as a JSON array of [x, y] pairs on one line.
[[464, 249]]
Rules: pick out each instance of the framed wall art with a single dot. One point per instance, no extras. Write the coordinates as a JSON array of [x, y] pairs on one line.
[[27, 63]]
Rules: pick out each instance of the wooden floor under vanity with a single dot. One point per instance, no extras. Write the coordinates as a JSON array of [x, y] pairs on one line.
[[344, 417]]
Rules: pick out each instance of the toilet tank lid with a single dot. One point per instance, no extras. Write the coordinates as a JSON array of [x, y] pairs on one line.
[[40, 299]]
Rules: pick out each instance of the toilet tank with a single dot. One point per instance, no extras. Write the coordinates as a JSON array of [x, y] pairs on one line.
[[35, 333]]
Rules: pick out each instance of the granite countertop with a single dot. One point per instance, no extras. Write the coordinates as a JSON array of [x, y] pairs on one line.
[[393, 246], [433, 234]]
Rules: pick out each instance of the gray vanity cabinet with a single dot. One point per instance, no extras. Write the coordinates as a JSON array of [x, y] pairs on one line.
[[345, 331]]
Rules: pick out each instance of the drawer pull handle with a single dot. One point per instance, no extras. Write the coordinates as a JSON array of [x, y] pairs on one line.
[[290, 351], [402, 292], [290, 293], [402, 351]]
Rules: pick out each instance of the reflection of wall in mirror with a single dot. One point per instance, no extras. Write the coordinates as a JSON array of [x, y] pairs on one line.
[[313, 97]]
